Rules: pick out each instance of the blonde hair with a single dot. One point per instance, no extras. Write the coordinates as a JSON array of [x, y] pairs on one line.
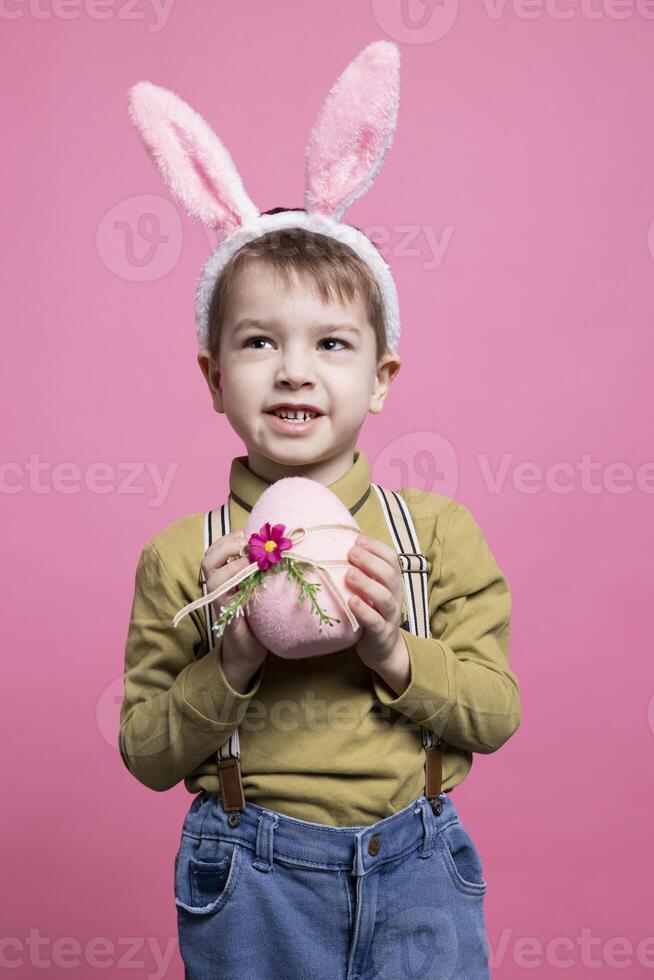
[[333, 267]]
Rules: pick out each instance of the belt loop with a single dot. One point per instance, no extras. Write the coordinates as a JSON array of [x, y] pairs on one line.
[[358, 867], [263, 860], [428, 826]]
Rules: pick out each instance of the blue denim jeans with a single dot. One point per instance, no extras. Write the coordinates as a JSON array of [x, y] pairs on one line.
[[277, 898]]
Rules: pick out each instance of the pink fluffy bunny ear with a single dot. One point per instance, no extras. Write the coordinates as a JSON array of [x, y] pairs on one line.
[[353, 131], [190, 158]]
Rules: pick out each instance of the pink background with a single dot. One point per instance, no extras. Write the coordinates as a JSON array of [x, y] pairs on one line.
[[524, 148]]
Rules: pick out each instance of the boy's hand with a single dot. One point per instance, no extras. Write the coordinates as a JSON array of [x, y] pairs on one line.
[[377, 581], [240, 645]]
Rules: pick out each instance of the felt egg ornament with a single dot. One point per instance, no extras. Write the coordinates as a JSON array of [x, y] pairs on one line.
[[285, 625]]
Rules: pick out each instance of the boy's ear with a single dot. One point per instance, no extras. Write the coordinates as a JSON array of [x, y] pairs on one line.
[[211, 374], [387, 368]]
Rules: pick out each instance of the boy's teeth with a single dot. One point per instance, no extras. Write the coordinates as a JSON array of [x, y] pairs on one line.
[[301, 416]]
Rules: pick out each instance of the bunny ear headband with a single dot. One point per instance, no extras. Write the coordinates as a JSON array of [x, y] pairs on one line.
[[346, 147]]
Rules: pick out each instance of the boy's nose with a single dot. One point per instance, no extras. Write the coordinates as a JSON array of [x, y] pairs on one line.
[[295, 371]]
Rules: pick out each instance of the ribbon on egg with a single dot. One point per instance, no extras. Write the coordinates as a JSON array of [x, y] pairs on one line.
[[296, 535]]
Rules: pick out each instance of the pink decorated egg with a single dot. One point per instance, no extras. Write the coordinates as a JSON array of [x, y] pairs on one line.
[[284, 625]]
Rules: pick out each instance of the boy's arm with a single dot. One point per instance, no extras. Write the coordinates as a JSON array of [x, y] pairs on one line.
[[461, 686], [177, 710]]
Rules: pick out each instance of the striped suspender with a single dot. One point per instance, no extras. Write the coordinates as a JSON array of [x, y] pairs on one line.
[[415, 577], [415, 569], [228, 756]]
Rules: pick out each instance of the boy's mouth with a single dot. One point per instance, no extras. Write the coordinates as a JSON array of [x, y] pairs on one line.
[[294, 411], [293, 418]]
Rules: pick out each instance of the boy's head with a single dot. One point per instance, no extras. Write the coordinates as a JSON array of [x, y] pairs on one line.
[[296, 319], [299, 299]]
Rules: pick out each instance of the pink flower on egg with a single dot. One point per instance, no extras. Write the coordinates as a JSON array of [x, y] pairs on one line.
[[266, 547]]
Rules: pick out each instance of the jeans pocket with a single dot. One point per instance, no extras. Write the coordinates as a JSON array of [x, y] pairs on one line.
[[204, 886], [461, 859]]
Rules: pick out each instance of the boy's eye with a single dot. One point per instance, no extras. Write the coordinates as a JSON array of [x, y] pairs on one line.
[[251, 340], [335, 340], [328, 340]]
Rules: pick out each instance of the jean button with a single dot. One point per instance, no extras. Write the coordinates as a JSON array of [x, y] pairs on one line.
[[234, 819], [373, 845], [437, 807]]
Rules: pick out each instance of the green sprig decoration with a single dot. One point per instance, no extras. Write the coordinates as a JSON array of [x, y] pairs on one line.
[[248, 591]]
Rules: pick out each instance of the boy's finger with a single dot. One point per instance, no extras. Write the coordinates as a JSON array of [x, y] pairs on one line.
[[225, 547], [379, 548], [222, 574], [375, 565]]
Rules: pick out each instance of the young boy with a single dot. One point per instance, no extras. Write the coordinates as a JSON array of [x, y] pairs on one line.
[[338, 861], [276, 343]]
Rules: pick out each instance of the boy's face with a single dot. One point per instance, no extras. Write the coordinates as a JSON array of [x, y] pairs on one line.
[[285, 347]]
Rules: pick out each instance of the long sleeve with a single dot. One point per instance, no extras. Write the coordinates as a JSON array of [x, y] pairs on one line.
[[461, 686], [177, 710]]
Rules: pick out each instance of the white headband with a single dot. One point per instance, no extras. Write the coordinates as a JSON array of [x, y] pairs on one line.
[[346, 147]]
